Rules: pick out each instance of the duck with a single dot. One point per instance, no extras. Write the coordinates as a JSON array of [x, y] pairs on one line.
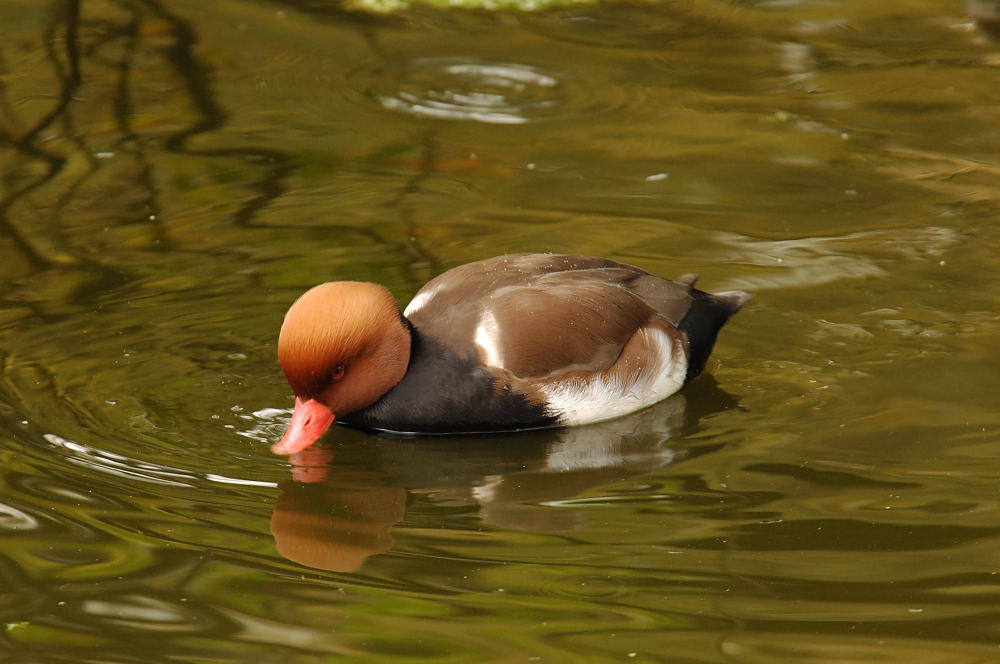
[[510, 343]]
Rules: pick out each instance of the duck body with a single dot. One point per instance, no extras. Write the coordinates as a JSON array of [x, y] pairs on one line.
[[519, 341]]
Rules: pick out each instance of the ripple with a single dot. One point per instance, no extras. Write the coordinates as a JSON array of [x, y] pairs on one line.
[[268, 424], [12, 518], [146, 614], [814, 261], [623, 27], [455, 88], [118, 464]]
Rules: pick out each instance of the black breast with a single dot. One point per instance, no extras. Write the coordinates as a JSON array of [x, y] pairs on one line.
[[443, 392]]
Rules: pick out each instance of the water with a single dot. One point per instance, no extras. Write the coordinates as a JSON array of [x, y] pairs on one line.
[[173, 176]]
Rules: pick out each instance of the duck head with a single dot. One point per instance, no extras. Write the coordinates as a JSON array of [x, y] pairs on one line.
[[342, 346]]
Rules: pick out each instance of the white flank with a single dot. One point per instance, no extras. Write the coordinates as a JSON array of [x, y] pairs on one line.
[[606, 397], [419, 300], [488, 339]]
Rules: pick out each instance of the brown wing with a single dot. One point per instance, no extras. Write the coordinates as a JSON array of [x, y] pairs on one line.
[[541, 332], [537, 315], [473, 281]]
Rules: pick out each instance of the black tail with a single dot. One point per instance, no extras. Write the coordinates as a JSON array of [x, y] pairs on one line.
[[702, 322]]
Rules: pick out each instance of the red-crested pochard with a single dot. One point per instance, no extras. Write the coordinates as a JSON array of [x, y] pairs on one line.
[[521, 341]]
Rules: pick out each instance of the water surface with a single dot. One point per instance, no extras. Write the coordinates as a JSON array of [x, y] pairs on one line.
[[173, 175]]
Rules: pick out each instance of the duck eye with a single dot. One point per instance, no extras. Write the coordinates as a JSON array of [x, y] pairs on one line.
[[338, 372]]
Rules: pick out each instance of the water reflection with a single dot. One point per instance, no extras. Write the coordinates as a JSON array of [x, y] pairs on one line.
[[343, 502], [986, 14]]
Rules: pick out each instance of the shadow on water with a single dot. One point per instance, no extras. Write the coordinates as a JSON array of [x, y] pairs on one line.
[[343, 502]]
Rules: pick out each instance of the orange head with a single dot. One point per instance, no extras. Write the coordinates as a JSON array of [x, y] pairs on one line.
[[342, 346]]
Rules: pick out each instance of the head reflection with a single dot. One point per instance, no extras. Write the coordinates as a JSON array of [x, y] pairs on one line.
[[334, 518]]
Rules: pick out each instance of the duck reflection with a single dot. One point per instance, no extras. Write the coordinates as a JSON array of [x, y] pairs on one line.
[[341, 505], [986, 14]]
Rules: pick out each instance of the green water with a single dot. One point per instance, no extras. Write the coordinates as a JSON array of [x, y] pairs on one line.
[[173, 175]]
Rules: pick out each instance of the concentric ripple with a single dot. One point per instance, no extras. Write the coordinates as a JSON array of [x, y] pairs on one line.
[[454, 88]]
